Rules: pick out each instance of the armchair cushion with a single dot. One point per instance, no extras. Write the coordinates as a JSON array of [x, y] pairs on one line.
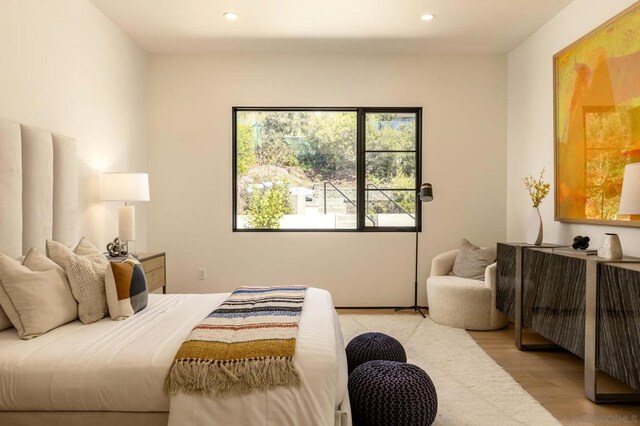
[[443, 263], [472, 261], [490, 275]]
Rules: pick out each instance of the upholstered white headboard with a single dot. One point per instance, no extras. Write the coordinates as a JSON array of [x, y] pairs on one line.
[[38, 188]]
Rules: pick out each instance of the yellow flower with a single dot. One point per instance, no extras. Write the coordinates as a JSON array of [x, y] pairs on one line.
[[538, 189]]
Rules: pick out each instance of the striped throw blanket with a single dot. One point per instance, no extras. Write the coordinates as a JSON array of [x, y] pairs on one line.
[[246, 344]]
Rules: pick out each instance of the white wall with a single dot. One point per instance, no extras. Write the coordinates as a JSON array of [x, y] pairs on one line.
[[189, 110], [530, 122], [65, 67]]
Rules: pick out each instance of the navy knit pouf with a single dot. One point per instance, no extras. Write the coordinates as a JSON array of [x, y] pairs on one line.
[[372, 346], [390, 393]]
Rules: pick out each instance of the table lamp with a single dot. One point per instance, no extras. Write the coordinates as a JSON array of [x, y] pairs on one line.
[[630, 196], [127, 187]]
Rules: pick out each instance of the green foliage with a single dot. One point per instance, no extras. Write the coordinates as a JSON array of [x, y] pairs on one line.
[[382, 135], [387, 166], [276, 153], [266, 208], [330, 148], [246, 156], [276, 130], [324, 144], [405, 199]]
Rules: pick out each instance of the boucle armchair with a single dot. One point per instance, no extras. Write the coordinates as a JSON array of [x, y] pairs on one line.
[[462, 302]]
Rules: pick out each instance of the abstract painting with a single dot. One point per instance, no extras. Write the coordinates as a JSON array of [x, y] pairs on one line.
[[597, 120]]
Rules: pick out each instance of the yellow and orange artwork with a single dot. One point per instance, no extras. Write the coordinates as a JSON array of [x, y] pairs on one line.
[[597, 119]]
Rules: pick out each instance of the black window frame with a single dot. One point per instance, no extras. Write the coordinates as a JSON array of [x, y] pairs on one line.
[[360, 160]]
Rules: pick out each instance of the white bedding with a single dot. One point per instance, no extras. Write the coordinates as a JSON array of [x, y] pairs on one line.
[[121, 366], [321, 360]]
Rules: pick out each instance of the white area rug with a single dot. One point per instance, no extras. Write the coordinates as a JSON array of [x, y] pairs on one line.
[[472, 388]]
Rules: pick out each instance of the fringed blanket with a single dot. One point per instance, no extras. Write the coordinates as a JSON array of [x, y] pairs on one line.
[[246, 344]]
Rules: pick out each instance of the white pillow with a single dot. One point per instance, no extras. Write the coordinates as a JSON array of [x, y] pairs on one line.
[[5, 322], [85, 267], [58, 252], [37, 300]]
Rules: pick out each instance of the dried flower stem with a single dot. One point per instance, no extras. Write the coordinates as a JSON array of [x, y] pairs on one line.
[[538, 189]]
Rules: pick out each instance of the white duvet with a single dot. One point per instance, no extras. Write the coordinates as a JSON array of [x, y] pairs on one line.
[[121, 366]]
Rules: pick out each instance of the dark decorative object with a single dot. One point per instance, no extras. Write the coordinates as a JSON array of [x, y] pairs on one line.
[[117, 249], [390, 393], [373, 346], [580, 242]]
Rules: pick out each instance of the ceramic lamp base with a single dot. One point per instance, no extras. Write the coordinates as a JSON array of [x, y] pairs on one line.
[[127, 223]]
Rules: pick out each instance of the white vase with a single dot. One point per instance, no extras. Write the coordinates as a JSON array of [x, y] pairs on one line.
[[610, 247], [534, 227]]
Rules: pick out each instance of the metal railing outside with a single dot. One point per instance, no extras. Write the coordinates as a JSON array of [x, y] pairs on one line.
[[346, 198], [381, 191]]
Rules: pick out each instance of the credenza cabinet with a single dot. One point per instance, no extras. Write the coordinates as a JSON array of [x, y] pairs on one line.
[[582, 303]]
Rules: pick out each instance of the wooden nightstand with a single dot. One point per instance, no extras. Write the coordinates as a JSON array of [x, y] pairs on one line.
[[155, 269]]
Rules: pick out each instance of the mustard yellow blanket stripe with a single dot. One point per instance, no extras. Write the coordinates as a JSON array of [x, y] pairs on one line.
[[218, 351]]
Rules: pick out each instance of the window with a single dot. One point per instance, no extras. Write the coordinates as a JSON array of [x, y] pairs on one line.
[[326, 169]]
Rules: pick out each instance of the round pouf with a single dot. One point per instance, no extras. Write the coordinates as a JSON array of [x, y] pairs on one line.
[[372, 346], [390, 393]]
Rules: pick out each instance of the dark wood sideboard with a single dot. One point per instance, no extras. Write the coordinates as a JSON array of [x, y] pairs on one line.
[[582, 303]]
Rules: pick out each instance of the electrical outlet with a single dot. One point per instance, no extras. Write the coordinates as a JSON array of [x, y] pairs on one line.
[[202, 274]]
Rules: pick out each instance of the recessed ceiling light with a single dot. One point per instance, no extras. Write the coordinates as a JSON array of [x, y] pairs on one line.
[[428, 17], [231, 16]]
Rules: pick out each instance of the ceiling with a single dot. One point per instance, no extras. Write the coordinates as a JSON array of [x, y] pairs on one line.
[[460, 26]]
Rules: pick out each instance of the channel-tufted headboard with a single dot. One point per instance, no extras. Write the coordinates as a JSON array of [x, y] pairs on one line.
[[38, 188]]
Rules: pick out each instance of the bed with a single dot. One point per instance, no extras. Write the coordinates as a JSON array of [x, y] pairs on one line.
[[112, 372]]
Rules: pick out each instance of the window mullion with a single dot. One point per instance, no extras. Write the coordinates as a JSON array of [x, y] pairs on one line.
[[360, 172]]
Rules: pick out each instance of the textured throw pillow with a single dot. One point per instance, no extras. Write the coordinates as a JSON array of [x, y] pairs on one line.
[[86, 277], [472, 261], [37, 300], [126, 288]]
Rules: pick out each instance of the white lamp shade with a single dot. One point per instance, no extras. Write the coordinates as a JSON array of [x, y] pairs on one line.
[[124, 187], [630, 197]]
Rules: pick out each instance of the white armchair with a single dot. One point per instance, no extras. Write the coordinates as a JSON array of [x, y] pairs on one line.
[[462, 302]]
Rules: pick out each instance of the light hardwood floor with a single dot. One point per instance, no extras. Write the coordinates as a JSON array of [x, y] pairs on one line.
[[554, 378]]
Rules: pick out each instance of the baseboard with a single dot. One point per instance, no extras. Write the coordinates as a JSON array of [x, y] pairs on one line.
[[367, 307], [379, 307]]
